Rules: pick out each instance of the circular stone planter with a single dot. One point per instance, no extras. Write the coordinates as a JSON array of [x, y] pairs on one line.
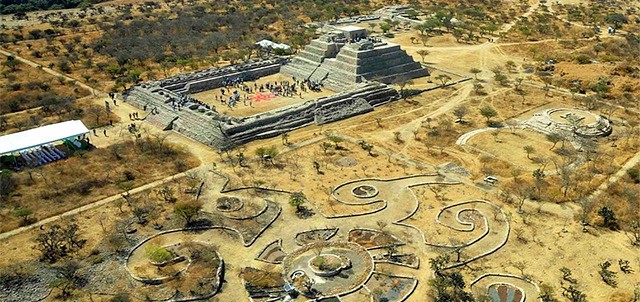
[[330, 266], [228, 204], [364, 191], [356, 266]]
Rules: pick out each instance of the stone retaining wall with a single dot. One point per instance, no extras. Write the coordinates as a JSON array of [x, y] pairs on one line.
[[209, 127]]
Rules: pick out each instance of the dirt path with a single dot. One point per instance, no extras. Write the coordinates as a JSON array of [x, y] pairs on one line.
[[615, 177], [505, 28], [84, 208], [52, 72]]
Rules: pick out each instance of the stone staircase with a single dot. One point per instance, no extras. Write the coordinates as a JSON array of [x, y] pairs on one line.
[[338, 66]]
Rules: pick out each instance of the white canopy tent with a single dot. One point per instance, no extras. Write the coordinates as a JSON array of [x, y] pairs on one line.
[[274, 45], [41, 136]]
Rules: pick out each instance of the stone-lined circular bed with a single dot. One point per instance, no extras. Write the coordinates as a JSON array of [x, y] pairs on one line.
[[229, 204], [364, 191], [346, 267]]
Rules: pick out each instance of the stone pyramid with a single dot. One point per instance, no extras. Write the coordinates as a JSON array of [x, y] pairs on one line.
[[340, 59]]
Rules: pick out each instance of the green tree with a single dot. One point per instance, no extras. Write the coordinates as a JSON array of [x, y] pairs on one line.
[[297, 199], [443, 78], [67, 279], [188, 210], [546, 293], [460, 112], [24, 213], [616, 19], [529, 149], [488, 112], [267, 154], [57, 242], [157, 253], [608, 276], [475, 72], [325, 147], [609, 218], [121, 297], [11, 63], [554, 138], [7, 184], [423, 53], [385, 27], [336, 140]]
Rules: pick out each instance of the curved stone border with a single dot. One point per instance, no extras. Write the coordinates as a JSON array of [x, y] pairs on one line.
[[224, 188], [279, 242], [384, 206], [285, 264], [474, 282], [400, 242], [384, 202], [462, 140], [343, 265], [504, 241], [374, 179], [480, 237], [247, 244], [252, 216], [160, 280], [415, 284], [416, 266], [216, 286], [333, 233]]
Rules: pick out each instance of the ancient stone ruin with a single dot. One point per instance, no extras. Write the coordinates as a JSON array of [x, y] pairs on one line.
[[348, 61], [348, 55]]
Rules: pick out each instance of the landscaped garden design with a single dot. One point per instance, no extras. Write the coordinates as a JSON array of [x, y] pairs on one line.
[[326, 262]]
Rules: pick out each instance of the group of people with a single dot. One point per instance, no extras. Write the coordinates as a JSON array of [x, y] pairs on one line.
[[230, 94]]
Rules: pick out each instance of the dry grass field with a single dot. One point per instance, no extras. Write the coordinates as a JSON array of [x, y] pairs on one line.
[[429, 188]]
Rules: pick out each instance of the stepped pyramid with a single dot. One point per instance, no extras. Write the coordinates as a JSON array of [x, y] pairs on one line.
[[347, 56]]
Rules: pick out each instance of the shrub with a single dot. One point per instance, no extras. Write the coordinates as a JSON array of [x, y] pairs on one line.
[[583, 59], [157, 253], [121, 297], [634, 174], [128, 175]]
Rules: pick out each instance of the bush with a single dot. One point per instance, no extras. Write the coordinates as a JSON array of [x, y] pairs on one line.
[[494, 124], [121, 297], [84, 187], [157, 253], [14, 86], [583, 59], [128, 175], [634, 174]]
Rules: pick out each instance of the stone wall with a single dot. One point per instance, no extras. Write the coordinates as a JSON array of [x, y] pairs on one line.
[[202, 123], [213, 78], [323, 110]]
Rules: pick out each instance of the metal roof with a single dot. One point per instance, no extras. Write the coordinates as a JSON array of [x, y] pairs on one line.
[[41, 136]]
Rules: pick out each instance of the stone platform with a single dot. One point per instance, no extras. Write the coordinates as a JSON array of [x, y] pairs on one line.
[[204, 124]]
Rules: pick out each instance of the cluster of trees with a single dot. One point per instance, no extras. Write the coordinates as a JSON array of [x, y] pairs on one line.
[[449, 286], [22, 6], [57, 241]]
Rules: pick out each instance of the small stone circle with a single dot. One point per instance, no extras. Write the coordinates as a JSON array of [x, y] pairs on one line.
[[346, 161], [229, 204], [364, 191]]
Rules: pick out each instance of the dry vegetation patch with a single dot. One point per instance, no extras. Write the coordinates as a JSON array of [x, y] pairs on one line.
[[85, 177]]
